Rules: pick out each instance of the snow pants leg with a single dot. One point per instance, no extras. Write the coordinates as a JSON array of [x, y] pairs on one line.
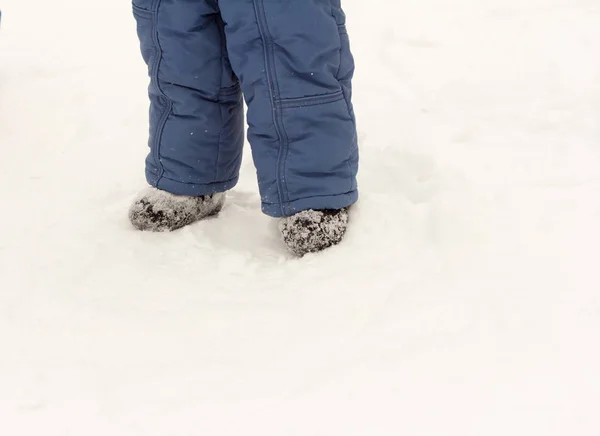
[[294, 65], [196, 111]]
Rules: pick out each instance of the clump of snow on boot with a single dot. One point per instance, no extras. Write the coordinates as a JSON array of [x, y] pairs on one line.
[[311, 231], [160, 211]]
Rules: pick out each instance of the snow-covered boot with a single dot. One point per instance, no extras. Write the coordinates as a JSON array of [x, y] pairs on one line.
[[311, 231], [160, 211]]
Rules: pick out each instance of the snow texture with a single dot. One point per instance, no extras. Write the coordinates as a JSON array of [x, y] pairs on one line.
[[312, 231], [463, 301], [159, 211]]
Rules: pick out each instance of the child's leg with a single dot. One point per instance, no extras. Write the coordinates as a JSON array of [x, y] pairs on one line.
[[196, 113], [294, 62]]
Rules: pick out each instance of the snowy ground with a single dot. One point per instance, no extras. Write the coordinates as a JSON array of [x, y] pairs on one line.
[[465, 301]]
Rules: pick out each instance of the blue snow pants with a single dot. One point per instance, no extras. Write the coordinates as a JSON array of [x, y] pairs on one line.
[[291, 61]]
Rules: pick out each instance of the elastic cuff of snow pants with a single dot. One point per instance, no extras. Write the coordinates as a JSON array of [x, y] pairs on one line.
[[190, 189], [316, 203]]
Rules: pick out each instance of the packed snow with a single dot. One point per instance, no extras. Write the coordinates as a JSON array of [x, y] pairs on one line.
[[464, 301]]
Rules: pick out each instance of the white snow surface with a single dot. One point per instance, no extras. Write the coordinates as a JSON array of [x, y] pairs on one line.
[[465, 300]]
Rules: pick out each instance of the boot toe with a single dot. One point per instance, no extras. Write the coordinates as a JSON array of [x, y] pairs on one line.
[[160, 211], [312, 231]]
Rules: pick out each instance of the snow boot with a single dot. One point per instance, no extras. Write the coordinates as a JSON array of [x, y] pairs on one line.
[[160, 211], [311, 231]]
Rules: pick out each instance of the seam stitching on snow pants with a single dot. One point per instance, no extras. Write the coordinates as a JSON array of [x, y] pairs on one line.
[[219, 182], [269, 53], [223, 49], [291, 103], [343, 32], [169, 104], [313, 196]]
